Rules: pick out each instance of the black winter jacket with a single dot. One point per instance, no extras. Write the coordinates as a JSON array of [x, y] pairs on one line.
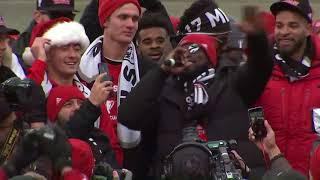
[[158, 102], [81, 126], [142, 153]]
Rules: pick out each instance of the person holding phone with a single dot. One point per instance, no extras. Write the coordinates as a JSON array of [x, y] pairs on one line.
[[291, 98], [279, 166], [115, 47], [57, 46]]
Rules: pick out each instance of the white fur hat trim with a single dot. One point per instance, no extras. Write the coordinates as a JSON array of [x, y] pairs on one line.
[[67, 32], [61, 34]]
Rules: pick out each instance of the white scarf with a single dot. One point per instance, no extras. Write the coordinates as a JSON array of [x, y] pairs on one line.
[[47, 86], [129, 77]]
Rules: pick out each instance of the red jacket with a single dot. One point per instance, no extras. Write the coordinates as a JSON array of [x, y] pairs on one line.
[[37, 73], [288, 108]]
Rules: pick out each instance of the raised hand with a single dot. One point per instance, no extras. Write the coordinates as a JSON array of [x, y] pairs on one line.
[[100, 90], [38, 48], [180, 65], [267, 144]]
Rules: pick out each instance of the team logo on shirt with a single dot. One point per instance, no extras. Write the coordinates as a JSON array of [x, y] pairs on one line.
[[110, 104], [58, 100]]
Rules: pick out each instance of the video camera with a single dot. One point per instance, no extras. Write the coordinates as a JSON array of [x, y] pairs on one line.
[[17, 92], [211, 160]]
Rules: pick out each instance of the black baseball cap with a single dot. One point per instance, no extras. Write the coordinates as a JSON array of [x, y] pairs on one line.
[[301, 7], [56, 5], [5, 30]]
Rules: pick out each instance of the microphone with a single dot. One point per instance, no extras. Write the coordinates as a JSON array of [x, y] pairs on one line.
[[171, 62]]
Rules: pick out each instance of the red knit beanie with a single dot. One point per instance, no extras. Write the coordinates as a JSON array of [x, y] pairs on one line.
[[206, 42], [107, 7], [58, 96], [82, 157]]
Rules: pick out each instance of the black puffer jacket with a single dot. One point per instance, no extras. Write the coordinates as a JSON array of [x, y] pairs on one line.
[[159, 102]]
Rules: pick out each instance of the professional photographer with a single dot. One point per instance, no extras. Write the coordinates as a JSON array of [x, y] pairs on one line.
[[191, 85], [21, 109], [48, 142], [195, 159], [26, 98]]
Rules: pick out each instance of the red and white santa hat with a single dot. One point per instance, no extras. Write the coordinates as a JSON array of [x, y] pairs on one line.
[[60, 31]]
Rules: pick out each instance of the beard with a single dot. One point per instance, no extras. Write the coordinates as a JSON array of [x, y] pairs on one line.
[[195, 71], [287, 52]]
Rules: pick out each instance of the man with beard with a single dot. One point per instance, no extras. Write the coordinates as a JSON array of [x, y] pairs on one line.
[[291, 99], [153, 36], [9, 65], [189, 89], [228, 112]]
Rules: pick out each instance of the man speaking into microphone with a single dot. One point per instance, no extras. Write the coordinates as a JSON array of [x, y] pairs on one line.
[[192, 85]]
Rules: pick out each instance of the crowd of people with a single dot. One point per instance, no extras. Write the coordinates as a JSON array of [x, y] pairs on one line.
[[131, 92]]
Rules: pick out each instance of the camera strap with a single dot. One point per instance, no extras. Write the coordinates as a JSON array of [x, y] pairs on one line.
[[11, 140]]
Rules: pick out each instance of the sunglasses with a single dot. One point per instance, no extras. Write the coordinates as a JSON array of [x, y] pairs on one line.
[[193, 48]]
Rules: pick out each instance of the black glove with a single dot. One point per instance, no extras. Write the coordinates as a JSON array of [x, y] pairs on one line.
[[25, 153], [104, 169], [55, 144]]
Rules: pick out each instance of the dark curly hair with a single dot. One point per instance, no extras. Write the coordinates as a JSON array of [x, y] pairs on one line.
[[150, 19]]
